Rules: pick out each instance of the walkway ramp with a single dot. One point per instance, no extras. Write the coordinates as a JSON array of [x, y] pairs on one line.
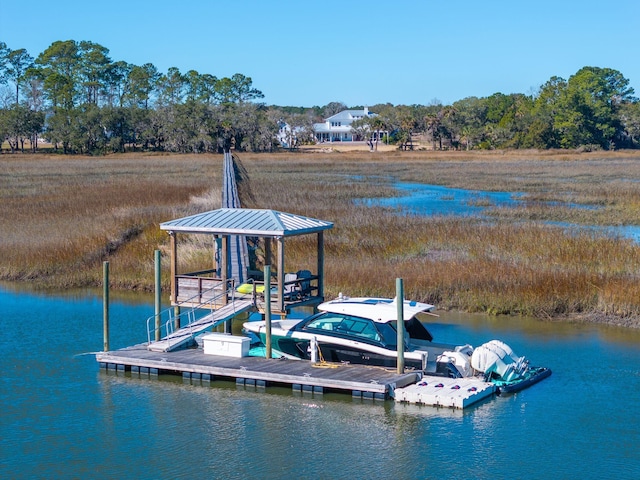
[[181, 337]]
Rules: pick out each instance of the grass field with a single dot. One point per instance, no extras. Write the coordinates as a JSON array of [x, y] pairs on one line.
[[62, 216]]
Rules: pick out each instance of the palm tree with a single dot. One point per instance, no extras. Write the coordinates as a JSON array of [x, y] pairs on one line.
[[378, 125]]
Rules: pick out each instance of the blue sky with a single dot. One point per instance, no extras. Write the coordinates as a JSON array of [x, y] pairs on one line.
[[306, 53]]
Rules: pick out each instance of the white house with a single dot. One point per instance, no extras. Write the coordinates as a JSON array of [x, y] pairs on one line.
[[337, 128], [287, 136]]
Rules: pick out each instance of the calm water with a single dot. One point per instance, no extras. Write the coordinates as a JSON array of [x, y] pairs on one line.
[[62, 417], [425, 199]]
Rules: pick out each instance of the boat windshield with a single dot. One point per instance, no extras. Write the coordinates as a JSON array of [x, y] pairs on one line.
[[340, 324], [389, 334], [392, 326]]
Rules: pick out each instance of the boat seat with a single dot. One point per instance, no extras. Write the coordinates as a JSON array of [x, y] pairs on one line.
[[296, 285], [304, 285], [290, 289]]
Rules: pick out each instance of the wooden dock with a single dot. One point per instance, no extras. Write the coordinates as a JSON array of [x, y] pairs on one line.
[[359, 380]]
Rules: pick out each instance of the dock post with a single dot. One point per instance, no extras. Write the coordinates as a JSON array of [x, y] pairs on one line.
[[320, 265], [158, 302], [314, 349], [173, 237], [400, 324], [267, 310], [105, 305]]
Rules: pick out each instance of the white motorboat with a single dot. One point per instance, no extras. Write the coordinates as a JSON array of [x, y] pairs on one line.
[[363, 331]]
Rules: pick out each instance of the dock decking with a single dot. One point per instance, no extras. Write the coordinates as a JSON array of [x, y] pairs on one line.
[[303, 376], [359, 380]]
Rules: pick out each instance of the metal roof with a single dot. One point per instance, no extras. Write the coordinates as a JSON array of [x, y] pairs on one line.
[[245, 221], [351, 115]]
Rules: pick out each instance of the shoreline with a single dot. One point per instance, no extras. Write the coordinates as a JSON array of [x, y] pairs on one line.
[[123, 294]]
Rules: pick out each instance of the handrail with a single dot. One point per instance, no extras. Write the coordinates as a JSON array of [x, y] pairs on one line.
[[195, 274], [190, 314], [200, 279]]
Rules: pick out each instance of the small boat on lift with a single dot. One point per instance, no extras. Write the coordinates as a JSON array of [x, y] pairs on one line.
[[364, 331]]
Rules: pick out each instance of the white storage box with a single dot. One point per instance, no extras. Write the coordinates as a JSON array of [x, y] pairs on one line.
[[225, 344]]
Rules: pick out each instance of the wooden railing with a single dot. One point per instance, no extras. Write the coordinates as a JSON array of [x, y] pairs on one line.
[[196, 288], [200, 288]]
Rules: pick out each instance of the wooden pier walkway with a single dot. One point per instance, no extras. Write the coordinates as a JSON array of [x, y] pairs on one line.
[[359, 380]]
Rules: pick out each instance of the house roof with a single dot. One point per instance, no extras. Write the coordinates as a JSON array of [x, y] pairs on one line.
[[322, 127], [244, 221], [349, 115]]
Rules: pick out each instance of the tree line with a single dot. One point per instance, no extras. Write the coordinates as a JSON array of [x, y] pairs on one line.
[[593, 109], [76, 97]]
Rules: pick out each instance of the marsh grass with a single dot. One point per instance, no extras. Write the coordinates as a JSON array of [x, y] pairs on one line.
[[67, 215], [62, 216]]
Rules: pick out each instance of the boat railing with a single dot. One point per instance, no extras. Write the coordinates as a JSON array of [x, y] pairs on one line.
[[194, 311]]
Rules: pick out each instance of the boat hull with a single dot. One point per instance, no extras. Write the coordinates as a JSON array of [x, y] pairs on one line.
[[298, 345], [337, 353], [535, 375]]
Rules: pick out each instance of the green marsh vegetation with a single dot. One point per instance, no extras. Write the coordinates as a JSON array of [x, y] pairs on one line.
[[62, 216]]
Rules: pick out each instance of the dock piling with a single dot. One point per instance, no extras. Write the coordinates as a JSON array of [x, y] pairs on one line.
[[400, 324], [158, 302], [267, 310], [105, 305]]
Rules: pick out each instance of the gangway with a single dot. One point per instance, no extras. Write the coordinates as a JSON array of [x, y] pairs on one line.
[[179, 338], [220, 309]]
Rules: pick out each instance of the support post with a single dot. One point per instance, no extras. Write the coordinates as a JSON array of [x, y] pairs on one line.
[[280, 274], [173, 236], [314, 349], [400, 323], [158, 302], [105, 303], [267, 251], [267, 312], [224, 264], [173, 246], [320, 266]]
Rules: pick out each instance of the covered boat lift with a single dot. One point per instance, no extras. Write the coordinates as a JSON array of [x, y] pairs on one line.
[[197, 288]]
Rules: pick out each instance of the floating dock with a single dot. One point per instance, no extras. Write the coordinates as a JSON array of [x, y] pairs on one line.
[[359, 380], [445, 392], [303, 376]]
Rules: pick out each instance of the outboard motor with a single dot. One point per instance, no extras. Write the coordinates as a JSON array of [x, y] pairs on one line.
[[455, 364], [497, 358]]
